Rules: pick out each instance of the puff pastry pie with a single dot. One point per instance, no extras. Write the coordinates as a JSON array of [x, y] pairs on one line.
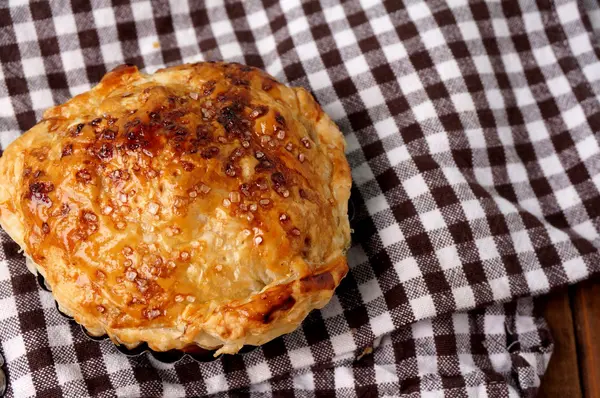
[[203, 205]]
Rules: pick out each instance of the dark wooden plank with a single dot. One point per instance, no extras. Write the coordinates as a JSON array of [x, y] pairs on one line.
[[586, 308], [562, 376]]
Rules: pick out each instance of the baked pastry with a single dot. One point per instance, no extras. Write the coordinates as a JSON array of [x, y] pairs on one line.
[[204, 204]]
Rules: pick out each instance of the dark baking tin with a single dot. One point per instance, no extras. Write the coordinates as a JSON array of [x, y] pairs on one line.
[[196, 353]]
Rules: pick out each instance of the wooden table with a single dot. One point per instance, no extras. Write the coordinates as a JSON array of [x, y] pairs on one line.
[[574, 318]]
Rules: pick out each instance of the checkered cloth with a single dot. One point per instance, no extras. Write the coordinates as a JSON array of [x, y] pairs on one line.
[[472, 132]]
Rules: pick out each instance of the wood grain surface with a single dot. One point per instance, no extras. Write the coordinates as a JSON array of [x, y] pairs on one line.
[[562, 376], [586, 299], [574, 319]]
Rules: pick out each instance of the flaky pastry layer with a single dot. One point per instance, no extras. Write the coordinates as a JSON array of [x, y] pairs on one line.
[[204, 204]]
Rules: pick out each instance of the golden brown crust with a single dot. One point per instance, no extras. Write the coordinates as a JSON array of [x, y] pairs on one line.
[[204, 204]]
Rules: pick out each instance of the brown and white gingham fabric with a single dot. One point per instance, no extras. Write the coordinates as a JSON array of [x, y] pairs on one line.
[[473, 135]]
